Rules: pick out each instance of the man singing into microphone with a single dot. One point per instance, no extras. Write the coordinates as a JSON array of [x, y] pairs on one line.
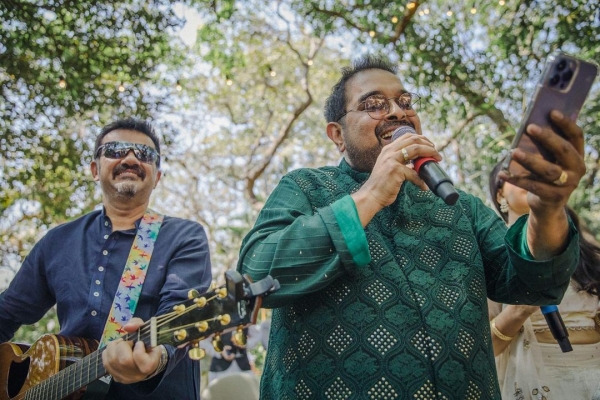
[[383, 284]]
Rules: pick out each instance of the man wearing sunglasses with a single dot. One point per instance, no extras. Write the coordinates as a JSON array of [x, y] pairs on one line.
[[383, 284], [79, 266]]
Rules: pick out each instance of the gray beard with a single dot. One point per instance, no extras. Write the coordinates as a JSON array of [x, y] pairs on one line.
[[126, 189]]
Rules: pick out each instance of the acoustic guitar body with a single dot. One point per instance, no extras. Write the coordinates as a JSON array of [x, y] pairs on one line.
[[58, 367], [22, 367]]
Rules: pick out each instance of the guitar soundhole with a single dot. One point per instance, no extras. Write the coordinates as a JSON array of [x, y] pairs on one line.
[[17, 376]]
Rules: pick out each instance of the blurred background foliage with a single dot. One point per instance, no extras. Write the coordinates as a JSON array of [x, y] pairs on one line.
[[236, 90]]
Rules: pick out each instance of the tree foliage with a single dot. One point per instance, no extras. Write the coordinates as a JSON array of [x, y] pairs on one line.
[[475, 69], [66, 66], [250, 116], [252, 92], [476, 65]]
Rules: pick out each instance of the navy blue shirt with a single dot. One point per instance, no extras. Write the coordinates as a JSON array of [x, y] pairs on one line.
[[78, 265]]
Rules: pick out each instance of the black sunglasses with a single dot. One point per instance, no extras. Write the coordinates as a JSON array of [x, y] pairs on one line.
[[118, 150]]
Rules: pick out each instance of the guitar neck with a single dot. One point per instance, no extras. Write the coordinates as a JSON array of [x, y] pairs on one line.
[[228, 307], [83, 372], [70, 379]]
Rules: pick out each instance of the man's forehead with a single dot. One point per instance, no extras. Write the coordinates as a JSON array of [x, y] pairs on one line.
[[373, 81], [127, 135]]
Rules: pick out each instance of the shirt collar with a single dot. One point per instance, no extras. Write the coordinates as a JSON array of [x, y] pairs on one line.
[[105, 218]]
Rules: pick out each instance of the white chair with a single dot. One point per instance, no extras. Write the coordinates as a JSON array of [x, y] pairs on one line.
[[233, 387]]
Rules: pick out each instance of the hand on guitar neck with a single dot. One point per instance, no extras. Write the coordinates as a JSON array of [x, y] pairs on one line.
[[48, 369], [130, 362]]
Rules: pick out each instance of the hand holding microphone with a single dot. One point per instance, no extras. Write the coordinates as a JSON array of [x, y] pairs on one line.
[[430, 172]]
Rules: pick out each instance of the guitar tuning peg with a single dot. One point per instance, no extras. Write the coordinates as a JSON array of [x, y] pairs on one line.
[[200, 301], [180, 335], [196, 353], [202, 326], [217, 342], [221, 292], [239, 337], [193, 293], [179, 308], [225, 319]]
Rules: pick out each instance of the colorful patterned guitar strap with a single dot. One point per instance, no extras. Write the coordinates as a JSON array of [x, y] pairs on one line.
[[130, 285]]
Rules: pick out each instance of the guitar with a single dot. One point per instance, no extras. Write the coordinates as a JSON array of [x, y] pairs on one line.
[[57, 367]]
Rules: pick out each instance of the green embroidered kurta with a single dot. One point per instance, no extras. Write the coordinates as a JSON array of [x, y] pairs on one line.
[[396, 310]]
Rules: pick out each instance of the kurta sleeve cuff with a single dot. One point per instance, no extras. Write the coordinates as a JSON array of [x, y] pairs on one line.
[[346, 215], [540, 275]]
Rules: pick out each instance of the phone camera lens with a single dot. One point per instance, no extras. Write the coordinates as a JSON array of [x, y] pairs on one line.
[[554, 80], [561, 65], [567, 75]]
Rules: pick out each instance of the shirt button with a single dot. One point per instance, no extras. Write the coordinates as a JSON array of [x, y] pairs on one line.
[[94, 313], [97, 282], [105, 223], [96, 294], [105, 236], [100, 268], [105, 252]]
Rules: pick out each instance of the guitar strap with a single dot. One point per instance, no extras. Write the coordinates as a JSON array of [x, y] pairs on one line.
[[128, 292], [134, 274]]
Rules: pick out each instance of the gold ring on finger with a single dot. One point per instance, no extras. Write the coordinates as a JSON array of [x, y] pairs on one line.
[[562, 179], [405, 155]]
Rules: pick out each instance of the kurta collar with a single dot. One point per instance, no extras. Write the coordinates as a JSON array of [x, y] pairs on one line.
[[358, 176]]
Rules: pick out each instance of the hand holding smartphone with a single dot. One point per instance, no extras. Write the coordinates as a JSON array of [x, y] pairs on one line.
[[564, 86]]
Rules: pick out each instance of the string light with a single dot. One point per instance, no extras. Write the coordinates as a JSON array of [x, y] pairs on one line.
[[121, 88], [62, 83], [372, 33], [178, 86], [411, 5]]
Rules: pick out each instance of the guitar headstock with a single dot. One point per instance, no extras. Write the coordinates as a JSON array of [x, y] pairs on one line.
[[227, 307]]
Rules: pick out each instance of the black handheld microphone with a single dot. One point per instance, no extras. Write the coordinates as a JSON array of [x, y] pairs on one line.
[[429, 170], [557, 327]]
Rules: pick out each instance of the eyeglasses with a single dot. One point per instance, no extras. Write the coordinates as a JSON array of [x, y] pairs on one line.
[[377, 106], [118, 150]]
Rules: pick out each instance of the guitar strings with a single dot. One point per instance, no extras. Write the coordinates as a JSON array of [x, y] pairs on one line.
[[174, 315], [143, 334]]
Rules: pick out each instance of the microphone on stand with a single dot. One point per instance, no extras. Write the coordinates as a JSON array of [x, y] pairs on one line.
[[557, 327], [429, 170]]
